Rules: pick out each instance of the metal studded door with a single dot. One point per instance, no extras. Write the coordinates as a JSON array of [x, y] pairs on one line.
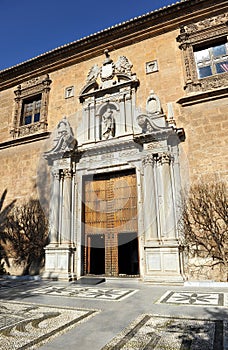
[[110, 220]]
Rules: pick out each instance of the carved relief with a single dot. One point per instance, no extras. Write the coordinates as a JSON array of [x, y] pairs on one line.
[[63, 142], [208, 23], [108, 100], [123, 65], [93, 73], [108, 72]]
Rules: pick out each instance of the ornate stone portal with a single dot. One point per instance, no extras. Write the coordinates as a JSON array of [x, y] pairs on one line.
[[115, 192]]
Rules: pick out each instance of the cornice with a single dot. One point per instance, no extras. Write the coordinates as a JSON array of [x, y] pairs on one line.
[[126, 33], [203, 97], [24, 140]]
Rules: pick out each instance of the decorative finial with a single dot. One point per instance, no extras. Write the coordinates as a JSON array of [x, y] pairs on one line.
[[107, 60]]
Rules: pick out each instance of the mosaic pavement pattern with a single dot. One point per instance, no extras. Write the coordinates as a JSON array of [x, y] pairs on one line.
[[27, 326], [195, 298], [97, 293], [165, 333]]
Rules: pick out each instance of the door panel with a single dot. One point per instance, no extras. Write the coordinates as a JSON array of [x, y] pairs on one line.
[[110, 208]]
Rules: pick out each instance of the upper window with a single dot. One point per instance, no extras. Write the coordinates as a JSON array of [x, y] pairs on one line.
[[205, 54], [211, 60], [31, 110], [31, 107]]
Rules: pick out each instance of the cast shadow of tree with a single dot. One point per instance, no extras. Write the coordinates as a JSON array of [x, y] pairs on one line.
[[3, 235], [26, 234], [206, 332]]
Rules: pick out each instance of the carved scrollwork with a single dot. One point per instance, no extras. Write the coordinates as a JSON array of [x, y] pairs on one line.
[[207, 23], [64, 141]]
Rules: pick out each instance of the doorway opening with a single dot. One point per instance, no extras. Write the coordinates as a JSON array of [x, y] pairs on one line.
[[128, 254], [95, 254]]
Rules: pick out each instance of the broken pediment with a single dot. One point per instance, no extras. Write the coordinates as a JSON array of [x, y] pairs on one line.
[[109, 75]]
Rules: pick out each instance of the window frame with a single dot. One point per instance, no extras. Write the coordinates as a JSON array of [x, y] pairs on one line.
[[202, 34], [29, 91]]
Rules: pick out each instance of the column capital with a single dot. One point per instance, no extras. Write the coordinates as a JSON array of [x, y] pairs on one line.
[[148, 160], [164, 158], [67, 173], [55, 174]]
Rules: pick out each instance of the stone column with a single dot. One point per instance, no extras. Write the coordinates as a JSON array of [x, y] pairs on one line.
[[150, 212], [66, 207], [54, 207], [167, 203]]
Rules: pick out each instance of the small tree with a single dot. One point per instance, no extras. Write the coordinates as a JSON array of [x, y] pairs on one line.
[[205, 222], [27, 234]]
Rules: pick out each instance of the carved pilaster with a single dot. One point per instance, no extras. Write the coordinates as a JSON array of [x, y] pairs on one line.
[[166, 204], [150, 211], [54, 207], [66, 206]]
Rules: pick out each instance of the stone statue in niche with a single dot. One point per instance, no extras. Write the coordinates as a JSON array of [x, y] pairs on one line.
[[108, 123], [153, 104]]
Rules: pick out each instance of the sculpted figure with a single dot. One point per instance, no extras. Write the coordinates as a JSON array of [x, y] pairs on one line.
[[109, 123]]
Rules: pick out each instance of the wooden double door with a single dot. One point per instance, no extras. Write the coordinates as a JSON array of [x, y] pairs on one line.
[[110, 224]]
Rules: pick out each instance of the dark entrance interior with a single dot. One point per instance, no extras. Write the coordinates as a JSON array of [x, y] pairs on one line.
[[95, 254], [128, 255]]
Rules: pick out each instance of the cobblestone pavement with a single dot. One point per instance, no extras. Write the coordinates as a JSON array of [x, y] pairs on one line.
[[117, 314]]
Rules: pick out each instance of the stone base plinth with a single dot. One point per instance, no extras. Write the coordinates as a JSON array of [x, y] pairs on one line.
[[163, 265], [59, 263]]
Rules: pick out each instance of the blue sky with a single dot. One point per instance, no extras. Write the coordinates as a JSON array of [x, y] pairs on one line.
[[29, 28]]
